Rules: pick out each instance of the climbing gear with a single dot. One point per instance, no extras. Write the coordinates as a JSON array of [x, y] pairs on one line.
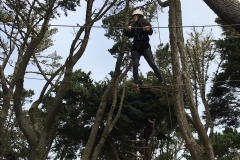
[[137, 34], [136, 12], [139, 37], [135, 87]]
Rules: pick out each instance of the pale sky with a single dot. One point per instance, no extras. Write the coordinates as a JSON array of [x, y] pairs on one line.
[[97, 59]]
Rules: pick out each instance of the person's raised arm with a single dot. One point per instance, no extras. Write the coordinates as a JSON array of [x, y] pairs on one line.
[[148, 29], [128, 31]]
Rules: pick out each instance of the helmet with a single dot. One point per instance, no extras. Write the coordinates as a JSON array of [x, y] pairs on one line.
[[137, 11]]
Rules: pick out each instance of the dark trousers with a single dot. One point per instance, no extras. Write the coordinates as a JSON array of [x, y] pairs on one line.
[[149, 58]]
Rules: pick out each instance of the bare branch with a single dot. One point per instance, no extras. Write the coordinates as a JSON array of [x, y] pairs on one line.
[[11, 38], [101, 9], [79, 33], [3, 81], [78, 44], [42, 97], [37, 72], [41, 5], [99, 16], [6, 60], [17, 8], [134, 154], [40, 69], [3, 46], [106, 94], [23, 122], [124, 73], [110, 124], [119, 110], [136, 140]]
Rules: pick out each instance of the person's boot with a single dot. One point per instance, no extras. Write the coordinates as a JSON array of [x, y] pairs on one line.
[[164, 84], [135, 87]]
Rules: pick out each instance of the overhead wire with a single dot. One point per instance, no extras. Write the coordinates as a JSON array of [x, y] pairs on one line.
[[141, 86], [121, 27], [158, 27]]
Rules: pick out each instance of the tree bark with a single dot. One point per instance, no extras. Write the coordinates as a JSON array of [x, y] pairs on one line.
[[74, 56], [102, 106], [40, 139], [191, 144], [6, 96], [189, 92], [227, 10], [236, 154], [151, 145], [113, 148], [111, 123], [101, 110], [17, 97]]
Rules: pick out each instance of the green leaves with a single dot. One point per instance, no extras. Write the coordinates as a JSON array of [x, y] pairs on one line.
[[68, 5], [224, 143], [80, 105], [225, 101]]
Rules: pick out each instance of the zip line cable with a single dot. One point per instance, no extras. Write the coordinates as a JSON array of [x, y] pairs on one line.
[[158, 27], [121, 27], [142, 86]]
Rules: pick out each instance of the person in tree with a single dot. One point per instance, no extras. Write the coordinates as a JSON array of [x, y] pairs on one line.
[[140, 31]]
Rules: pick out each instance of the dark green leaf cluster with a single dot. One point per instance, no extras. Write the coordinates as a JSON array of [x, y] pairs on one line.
[[225, 100], [68, 5], [224, 143], [79, 108], [77, 114]]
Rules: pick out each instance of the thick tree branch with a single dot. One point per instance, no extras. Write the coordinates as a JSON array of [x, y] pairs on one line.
[[208, 150], [42, 97], [227, 10], [191, 144], [90, 22], [6, 104], [113, 148], [23, 122], [99, 16], [119, 110], [111, 123], [105, 97], [40, 69]]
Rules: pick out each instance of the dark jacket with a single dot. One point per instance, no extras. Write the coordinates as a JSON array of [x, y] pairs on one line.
[[141, 37]]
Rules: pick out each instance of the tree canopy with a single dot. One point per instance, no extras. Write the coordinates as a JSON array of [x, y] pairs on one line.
[[74, 116]]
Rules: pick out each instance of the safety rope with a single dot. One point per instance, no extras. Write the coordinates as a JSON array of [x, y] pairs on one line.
[[169, 110]]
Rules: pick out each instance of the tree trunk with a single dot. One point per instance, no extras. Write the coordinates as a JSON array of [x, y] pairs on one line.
[[93, 134], [227, 10], [113, 148], [236, 154], [191, 144], [111, 123], [151, 145], [40, 139], [3, 116], [188, 87]]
